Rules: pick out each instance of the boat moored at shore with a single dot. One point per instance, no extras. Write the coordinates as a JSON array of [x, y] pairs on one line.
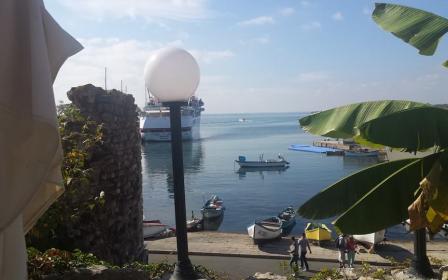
[[371, 238], [152, 228], [265, 229], [317, 232], [288, 218], [213, 208]]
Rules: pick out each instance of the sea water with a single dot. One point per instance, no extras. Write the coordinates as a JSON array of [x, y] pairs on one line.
[[210, 168]]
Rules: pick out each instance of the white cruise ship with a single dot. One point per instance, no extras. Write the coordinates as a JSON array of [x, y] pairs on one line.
[[155, 121]]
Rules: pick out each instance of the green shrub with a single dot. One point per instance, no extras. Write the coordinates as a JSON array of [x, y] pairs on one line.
[[55, 261], [379, 274], [326, 273], [58, 227]]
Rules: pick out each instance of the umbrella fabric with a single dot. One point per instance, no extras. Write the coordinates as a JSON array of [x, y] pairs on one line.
[[32, 50]]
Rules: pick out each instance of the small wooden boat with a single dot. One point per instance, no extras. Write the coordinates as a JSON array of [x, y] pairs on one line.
[[371, 238], [195, 224], [266, 229], [317, 232], [213, 208], [152, 228], [288, 218], [280, 162]]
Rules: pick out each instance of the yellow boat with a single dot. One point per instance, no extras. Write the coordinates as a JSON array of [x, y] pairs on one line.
[[318, 232]]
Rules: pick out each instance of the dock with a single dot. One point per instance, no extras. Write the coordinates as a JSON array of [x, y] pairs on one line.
[[240, 245]]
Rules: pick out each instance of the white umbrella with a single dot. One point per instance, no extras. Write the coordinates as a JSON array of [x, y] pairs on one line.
[[33, 47]]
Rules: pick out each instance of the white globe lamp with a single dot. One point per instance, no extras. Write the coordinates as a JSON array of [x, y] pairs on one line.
[[171, 75]]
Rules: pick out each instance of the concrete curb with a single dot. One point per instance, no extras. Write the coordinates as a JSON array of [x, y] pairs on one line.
[[274, 257]]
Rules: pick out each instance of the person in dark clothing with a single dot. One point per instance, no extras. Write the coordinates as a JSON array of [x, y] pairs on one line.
[[294, 251], [303, 244]]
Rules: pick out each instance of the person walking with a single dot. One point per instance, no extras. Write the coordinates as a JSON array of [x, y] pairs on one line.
[[303, 244], [351, 251], [341, 244], [294, 251]]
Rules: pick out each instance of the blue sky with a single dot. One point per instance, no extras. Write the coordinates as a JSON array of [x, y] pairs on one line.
[[255, 56]]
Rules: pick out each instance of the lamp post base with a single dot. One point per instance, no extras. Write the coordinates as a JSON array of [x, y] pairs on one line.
[[420, 265], [421, 268], [184, 271]]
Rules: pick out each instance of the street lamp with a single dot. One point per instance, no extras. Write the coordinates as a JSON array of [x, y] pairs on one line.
[[172, 76]]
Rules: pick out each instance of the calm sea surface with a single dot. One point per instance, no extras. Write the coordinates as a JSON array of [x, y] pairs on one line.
[[210, 169]]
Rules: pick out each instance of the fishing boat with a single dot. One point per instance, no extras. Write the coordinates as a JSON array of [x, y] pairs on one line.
[[212, 224], [317, 232], [262, 163], [213, 208], [371, 238], [194, 224], [265, 229], [288, 218], [152, 228]]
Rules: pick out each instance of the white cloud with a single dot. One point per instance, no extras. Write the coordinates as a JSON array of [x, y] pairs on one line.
[[262, 20], [312, 77], [124, 59], [287, 11], [262, 40], [151, 10], [315, 25], [212, 56], [337, 16]]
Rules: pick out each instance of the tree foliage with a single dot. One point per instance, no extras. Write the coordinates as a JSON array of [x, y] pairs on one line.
[[379, 196], [58, 225], [420, 29]]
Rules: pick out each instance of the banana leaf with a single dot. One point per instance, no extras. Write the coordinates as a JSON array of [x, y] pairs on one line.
[[415, 129], [387, 203], [342, 122], [419, 28], [339, 197]]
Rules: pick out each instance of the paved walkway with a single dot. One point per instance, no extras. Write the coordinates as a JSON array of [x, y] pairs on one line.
[[240, 245], [236, 268]]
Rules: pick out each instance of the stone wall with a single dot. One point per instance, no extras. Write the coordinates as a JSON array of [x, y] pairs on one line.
[[115, 233]]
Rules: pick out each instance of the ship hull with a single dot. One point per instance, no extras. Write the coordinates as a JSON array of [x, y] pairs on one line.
[[157, 129]]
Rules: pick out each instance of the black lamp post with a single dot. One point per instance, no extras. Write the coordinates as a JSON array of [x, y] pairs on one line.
[[184, 269], [420, 263], [172, 76]]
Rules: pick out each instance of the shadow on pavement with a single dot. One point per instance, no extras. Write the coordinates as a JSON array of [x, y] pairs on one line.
[[277, 246], [388, 250]]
